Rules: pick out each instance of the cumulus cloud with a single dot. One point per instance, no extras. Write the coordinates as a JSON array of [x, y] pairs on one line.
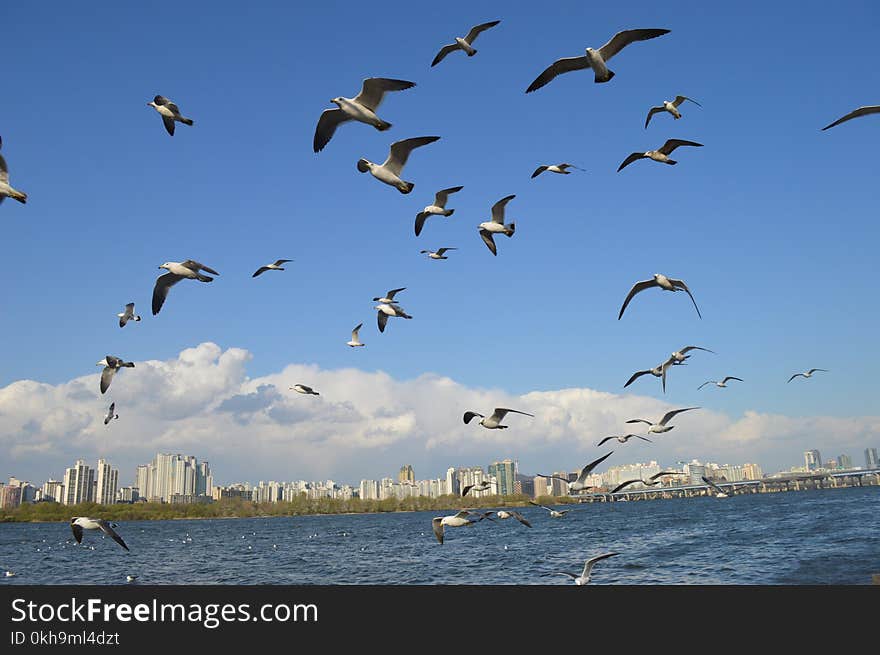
[[366, 424]]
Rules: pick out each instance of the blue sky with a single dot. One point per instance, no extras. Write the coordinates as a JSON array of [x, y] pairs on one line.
[[773, 223]]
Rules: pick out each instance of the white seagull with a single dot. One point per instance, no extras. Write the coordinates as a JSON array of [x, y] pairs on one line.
[[680, 355], [272, 267], [464, 43], [301, 388], [80, 523], [388, 309], [661, 154], [807, 374], [361, 108], [482, 486], [861, 111], [580, 484], [454, 521], [390, 171], [660, 426], [584, 577], [111, 413], [665, 283], [556, 514], [555, 168], [130, 578], [496, 225], [128, 315], [623, 438], [719, 383], [169, 112], [719, 492], [111, 364], [650, 482], [389, 297], [7, 191], [595, 59], [658, 371], [671, 107], [504, 514], [437, 209], [493, 422], [355, 340], [177, 271], [437, 254]]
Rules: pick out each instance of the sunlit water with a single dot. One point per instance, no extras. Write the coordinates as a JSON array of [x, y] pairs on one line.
[[796, 538]]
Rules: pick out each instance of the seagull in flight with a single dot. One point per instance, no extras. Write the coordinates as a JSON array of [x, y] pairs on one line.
[[719, 383], [665, 283], [482, 486], [169, 113], [671, 107], [437, 254], [661, 427], [580, 484], [388, 309], [861, 111], [390, 171], [464, 43], [585, 577], [807, 374], [80, 523], [661, 154], [652, 481], [111, 364], [719, 492], [389, 297], [505, 514], [7, 191], [177, 271], [301, 388], [555, 168], [496, 225], [277, 266], [355, 340], [623, 438], [437, 209], [111, 414], [595, 59], [680, 355], [454, 521], [128, 315], [658, 371], [361, 108], [556, 514], [493, 422]]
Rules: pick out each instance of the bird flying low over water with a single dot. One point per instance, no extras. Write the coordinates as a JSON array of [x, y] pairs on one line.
[[7, 191], [493, 422], [301, 388], [437, 254], [661, 154], [670, 107], [496, 225], [652, 481], [807, 374], [128, 315], [665, 283], [661, 427], [177, 271], [585, 577], [719, 383], [390, 171], [272, 267], [510, 514], [556, 514], [595, 59], [562, 169], [169, 113], [385, 310], [80, 523], [482, 486], [111, 414], [861, 111], [355, 340], [580, 484], [464, 517], [623, 438], [719, 492], [464, 43], [361, 108], [437, 209], [111, 364]]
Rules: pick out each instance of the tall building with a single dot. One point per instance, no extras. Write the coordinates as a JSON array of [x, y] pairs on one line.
[[844, 462], [557, 486], [407, 474], [175, 477], [812, 460], [505, 472], [452, 482], [79, 481], [871, 458], [107, 478], [695, 472], [53, 491], [752, 472], [540, 487]]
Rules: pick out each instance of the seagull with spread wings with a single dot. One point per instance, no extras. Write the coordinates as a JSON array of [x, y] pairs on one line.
[[128, 315], [555, 514], [303, 389], [650, 482], [562, 169], [861, 111], [390, 171], [680, 355], [719, 492], [277, 266], [807, 374], [579, 484], [511, 514], [80, 523], [111, 414], [493, 422], [355, 340], [7, 191], [437, 254], [719, 383], [169, 112], [585, 576], [595, 59], [669, 107], [661, 154], [660, 426], [623, 438], [111, 364], [384, 310], [437, 209], [177, 271], [658, 371], [464, 43], [361, 108], [496, 225], [389, 297], [481, 486], [663, 282], [458, 520]]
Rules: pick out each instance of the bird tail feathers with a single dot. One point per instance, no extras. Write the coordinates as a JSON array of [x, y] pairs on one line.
[[186, 121], [383, 125], [18, 195], [511, 228], [406, 187], [449, 212], [606, 78], [671, 162]]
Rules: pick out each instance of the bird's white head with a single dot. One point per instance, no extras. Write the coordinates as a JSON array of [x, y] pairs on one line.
[[166, 265]]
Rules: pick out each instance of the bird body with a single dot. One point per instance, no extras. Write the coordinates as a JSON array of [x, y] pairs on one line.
[[169, 112], [650, 482], [658, 371], [585, 576], [496, 225], [719, 383], [464, 43], [662, 281], [493, 422], [355, 340], [277, 266], [670, 106], [389, 172], [111, 364], [6, 191], [660, 426], [436, 209], [504, 514], [128, 315], [111, 414], [661, 154], [439, 523], [719, 492], [562, 169], [80, 523], [554, 514], [481, 486], [437, 254], [384, 310], [177, 271], [301, 388], [680, 355], [623, 438], [807, 374]]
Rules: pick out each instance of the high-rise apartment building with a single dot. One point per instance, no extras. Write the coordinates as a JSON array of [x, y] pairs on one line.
[[79, 482], [107, 479], [844, 462], [174, 476], [871, 458], [407, 474], [505, 472], [540, 486], [812, 460]]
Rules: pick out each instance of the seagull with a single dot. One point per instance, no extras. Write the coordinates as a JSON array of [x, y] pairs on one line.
[[437, 254], [652, 481], [390, 171], [128, 315], [504, 514], [301, 388], [719, 492], [665, 283], [388, 309], [111, 364], [493, 422], [272, 267], [437, 209], [671, 107], [454, 521], [808, 374], [169, 112], [10, 574], [595, 59], [80, 523], [623, 438], [496, 225], [580, 484], [555, 168], [361, 108], [389, 297], [679, 355], [482, 486], [660, 426], [176, 272], [658, 371], [130, 578], [553, 513], [661, 154], [719, 383], [464, 43], [861, 111], [7, 191], [355, 340], [111, 414], [585, 577]]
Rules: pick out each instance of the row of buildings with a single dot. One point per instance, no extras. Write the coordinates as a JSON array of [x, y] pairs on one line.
[[813, 461]]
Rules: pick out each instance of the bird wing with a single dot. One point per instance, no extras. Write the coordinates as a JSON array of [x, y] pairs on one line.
[[531, 502], [651, 113], [672, 144], [129, 308], [687, 348], [160, 291], [466, 489], [813, 370], [680, 99], [680, 283], [327, 124], [77, 532], [437, 526], [354, 333], [638, 286], [400, 152], [501, 412], [795, 375], [730, 377], [441, 197], [4, 171], [639, 420], [629, 160], [489, 241], [107, 377], [260, 270], [661, 473], [196, 266], [167, 103], [554, 477], [711, 484], [498, 209], [442, 250], [539, 170], [640, 437], [705, 383], [374, 88], [861, 111], [522, 519], [278, 262], [445, 50], [559, 67], [463, 514], [622, 485], [421, 217], [670, 414], [634, 377], [382, 320], [169, 124], [470, 415], [588, 565], [471, 36], [107, 529], [391, 293], [622, 39], [589, 467]]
